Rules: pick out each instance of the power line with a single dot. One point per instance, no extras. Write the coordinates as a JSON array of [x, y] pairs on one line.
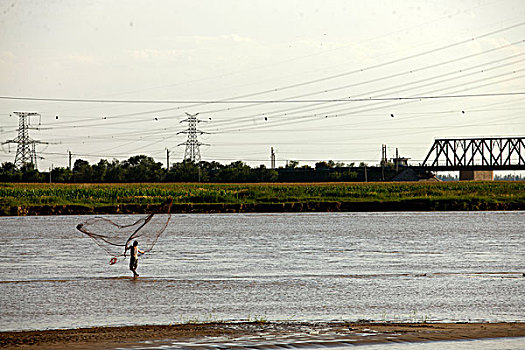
[[394, 98], [323, 91], [236, 99], [237, 119], [412, 85], [407, 72], [197, 103], [381, 101]]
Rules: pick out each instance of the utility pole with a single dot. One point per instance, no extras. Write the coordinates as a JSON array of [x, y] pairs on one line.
[[70, 157], [272, 159], [167, 159], [397, 160], [383, 161], [26, 146], [192, 152]]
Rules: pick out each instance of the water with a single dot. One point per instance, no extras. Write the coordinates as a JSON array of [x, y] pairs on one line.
[[449, 266], [301, 342]]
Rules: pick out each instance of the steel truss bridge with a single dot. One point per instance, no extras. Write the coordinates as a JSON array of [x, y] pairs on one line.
[[476, 154]]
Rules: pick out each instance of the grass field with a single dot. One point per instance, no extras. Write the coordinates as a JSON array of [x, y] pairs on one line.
[[471, 194]]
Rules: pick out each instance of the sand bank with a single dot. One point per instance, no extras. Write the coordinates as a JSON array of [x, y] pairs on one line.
[[298, 332]]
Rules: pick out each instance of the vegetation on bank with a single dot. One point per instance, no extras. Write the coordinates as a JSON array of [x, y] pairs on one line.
[[144, 169], [139, 169], [471, 195]]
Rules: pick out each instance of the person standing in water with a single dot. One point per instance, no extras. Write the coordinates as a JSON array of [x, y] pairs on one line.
[[134, 258]]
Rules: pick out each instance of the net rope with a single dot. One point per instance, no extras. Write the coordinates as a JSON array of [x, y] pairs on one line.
[[116, 239]]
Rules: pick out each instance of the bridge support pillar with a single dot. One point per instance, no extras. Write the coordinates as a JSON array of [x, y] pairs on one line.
[[476, 175]]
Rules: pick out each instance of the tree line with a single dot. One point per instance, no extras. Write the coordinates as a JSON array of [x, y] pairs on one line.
[[143, 168], [139, 168]]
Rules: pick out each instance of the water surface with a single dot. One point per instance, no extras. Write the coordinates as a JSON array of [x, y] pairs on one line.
[[445, 266]]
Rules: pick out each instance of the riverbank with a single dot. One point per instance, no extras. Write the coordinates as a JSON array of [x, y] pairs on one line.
[[294, 333], [89, 199], [184, 208]]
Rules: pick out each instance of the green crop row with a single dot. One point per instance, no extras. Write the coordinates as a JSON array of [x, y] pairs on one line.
[[149, 193]]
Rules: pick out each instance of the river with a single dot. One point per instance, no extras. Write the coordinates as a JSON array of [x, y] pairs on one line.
[[413, 266]]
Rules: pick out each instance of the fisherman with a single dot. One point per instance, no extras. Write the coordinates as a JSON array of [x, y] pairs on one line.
[[134, 258]]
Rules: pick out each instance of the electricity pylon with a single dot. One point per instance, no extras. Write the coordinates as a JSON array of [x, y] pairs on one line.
[[26, 146], [192, 152]]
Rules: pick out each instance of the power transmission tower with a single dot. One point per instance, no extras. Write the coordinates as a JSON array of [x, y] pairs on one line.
[[192, 152], [26, 146]]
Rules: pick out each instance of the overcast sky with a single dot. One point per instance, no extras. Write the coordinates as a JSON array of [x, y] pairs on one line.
[[272, 54]]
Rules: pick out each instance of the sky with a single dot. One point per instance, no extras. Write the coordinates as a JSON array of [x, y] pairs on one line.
[[315, 80]]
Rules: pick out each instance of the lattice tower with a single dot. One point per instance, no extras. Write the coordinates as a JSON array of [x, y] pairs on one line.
[[192, 152], [26, 146]]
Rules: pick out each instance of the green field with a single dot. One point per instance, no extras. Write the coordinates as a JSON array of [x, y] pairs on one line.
[[393, 196]]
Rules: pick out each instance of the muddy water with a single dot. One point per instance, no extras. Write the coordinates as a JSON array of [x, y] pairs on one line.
[[453, 266], [302, 341]]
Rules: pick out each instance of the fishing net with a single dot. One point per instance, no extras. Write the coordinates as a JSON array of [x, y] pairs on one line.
[[116, 239]]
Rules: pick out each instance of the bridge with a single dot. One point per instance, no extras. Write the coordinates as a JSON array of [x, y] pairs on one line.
[[476, 158]]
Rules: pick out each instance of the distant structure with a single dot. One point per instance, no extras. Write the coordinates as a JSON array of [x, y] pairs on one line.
[[384, 158], [26, 146], [192, 152], [399, 162], [272, 158], [384, 162], [476, 158]]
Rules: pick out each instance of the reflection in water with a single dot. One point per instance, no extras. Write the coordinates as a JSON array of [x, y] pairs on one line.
[[320, 266]]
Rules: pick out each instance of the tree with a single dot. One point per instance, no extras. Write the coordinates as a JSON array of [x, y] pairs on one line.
[[30, 174], [264, 174], [324, 165], [186, 171], [61, 175], [236, 172], [82, 171], [142, 168], [345, 175], [209, 170], [99, 171], [9, 173], [115, 172]]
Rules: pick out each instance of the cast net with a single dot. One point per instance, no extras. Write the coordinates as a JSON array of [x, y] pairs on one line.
[[116, 238]]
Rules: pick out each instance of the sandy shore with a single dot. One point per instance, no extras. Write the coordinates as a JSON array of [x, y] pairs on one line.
[[312, 333]]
